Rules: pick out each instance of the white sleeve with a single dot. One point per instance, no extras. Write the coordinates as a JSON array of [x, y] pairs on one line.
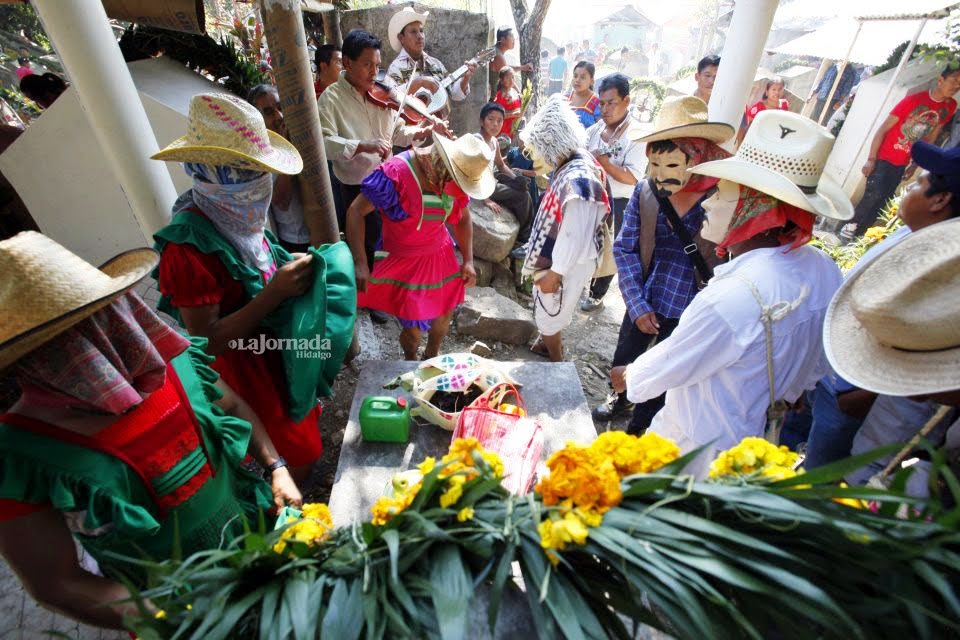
[[701, 345], [575, 238], [457, 94], [635, 160]]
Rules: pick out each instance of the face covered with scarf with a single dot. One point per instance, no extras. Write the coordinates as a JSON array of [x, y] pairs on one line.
[[236, 201], [668, 161], [736, 213]]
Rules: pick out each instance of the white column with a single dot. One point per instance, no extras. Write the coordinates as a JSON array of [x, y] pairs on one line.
[[81, 34], [739, 59]]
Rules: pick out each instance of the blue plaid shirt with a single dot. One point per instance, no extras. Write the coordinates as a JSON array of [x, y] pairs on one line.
[[672, 281], [847, 81]]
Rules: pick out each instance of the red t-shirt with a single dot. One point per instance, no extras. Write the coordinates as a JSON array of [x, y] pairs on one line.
[[918, 115], [762, 106]]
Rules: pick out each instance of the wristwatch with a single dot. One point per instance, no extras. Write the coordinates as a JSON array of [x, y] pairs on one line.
[[279, 462]]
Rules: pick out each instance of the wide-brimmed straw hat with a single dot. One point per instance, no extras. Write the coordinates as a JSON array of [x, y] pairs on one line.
[[894, 326], [783, 155], [226, 131], [684, 117], [46, 289], [468, 161], [400, 20]]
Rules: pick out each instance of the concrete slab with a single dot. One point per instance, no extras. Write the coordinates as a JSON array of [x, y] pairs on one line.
[[553, 395]]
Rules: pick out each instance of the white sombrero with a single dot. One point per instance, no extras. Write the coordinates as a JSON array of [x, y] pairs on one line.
[[400, 20], [894, 326], [226, 131], [468, 160], [783, 155], [684, 117]]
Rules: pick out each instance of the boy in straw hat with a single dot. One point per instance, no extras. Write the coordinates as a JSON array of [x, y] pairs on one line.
[[566, 237], [416, 194], [658, 268], [222, 274], [408, 38], [122, 435], [751, 340]]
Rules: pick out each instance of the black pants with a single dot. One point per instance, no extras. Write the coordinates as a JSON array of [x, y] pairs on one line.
[[881, 185], [631, 344], [600, 286], [349, 193], [514, 195]]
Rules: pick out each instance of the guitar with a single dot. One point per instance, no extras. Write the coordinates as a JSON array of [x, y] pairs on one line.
[[433, 93]]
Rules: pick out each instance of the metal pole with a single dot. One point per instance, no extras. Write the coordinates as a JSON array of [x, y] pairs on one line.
[[840, 70], [741, 55], [85, 43], [283, 28]]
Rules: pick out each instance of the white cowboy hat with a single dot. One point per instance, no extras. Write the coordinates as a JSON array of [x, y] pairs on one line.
[[226, 131], [684, 117], [894, 326], [468, 160], [46, 289], [400, 20], [783, 155]]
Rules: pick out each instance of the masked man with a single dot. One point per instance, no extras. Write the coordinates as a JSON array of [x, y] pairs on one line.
[[752, 340], [662, 265], [565, 240]]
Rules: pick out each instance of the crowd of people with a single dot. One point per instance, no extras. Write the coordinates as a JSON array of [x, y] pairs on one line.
[[134, 438]]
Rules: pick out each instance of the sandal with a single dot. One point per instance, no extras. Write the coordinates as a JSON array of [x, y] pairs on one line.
[[539, 348]]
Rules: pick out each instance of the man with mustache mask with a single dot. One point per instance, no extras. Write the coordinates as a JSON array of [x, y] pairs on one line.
[[661, 265], [751, 342]]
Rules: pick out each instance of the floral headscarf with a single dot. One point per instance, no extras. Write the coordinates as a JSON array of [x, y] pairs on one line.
[[236, 202], [699, 151], [757, 212], [105, 363]]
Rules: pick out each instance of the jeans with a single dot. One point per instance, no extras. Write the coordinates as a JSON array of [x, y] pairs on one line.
[[882, 183], [349, 193], [631, 344], [832, 433], [599, 286]]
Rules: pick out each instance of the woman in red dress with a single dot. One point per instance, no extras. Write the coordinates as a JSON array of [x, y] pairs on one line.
[[509, 98], [771, 100]]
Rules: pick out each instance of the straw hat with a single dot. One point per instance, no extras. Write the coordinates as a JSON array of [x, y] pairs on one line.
[[783, 155], [46, 289], [227, 131], [401, 19], [684, 117], [468, 160], [894, 326]]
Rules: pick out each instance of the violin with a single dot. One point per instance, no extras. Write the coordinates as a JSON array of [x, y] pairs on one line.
[[386, 94]]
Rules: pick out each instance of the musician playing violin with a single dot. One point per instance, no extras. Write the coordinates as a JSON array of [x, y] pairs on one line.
[[357, 133], [407, 36]]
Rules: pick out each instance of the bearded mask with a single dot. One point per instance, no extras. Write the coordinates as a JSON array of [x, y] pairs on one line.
[[668, 169], [668, 166]]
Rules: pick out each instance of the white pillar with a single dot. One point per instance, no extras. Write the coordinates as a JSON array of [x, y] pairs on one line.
[[81, 34], [739, 59]]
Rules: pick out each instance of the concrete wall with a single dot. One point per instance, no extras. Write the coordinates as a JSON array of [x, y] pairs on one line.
[[452, 36], [64, 179]]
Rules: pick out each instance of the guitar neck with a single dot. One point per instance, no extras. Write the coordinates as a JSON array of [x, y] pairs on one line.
[[459, 73]]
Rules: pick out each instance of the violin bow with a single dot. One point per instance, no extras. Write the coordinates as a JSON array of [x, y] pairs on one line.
[[403, 99]]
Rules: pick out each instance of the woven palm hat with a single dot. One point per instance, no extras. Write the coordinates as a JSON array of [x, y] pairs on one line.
[[400, 20], [46, 289], [684, 117], [468, 160], [894, 326], [226, 131], [783, 155]]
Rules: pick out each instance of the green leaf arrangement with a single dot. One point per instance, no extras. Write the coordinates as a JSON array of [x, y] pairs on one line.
[[746, 554]]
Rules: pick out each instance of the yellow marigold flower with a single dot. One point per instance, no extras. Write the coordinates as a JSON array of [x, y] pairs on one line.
[[453, 492], [556, 532], [160, 615], [385, 508], [755, 457], [460, 458], [875, 233], [583, 475], [427, 465], [631, 454], [850, 502], [318, 511], [465, 514]]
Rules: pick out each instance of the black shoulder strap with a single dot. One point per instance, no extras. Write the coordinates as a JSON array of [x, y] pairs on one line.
[[690, 247]]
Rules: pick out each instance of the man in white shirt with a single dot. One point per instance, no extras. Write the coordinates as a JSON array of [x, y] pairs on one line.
[[565, 238], [407, 36], [769, 299]]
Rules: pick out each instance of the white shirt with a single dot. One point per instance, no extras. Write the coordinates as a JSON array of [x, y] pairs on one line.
[[289, 222], [400, 68], [713, 367], [575, 240], [627, 154], [348, 118]]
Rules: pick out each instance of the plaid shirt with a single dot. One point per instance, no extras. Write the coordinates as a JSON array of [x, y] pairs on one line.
[[847, 81], [672, 281]]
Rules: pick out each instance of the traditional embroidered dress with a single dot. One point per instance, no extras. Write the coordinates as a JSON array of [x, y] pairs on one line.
[[589, 113], [510, 102], [416, 276], [168, 468]]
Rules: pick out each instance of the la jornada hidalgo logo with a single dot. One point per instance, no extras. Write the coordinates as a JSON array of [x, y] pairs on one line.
[[315, 347]]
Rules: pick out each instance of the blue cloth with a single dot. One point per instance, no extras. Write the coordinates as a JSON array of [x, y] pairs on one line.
[[847, 80], [588, 118], [558, 67], [516, 160], [382, 193], [832, 433], [672, 282]]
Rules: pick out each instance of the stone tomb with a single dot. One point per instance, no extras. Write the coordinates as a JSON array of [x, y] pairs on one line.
[[551, 391]]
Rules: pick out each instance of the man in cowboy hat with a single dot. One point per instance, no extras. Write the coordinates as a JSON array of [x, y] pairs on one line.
[[566, 237], [658, 268], [408, 38], [751, 340], [893, 328]]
